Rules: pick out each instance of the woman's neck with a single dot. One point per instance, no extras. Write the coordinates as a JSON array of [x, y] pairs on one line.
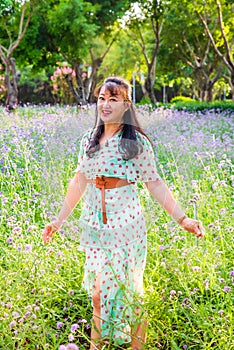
[[111, 129]]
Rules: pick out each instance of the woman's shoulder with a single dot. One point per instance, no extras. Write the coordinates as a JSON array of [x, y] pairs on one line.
[[87, 135], [142, 138], [85, 138]]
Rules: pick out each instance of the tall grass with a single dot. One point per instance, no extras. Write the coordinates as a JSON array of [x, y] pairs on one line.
[[188, 282]]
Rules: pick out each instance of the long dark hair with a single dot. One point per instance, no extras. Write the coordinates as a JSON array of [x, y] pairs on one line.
[[129, 146]]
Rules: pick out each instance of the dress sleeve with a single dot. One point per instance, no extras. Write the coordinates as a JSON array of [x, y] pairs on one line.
[[83, 146], [142, 168]]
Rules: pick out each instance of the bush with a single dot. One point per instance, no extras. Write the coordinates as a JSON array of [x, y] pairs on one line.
[[180, 98], [196, 106], [145, 100]]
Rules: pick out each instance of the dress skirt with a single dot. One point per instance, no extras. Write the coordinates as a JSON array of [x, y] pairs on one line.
[[115, 251]]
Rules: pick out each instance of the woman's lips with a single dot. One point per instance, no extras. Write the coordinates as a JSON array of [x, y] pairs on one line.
[[106, 113]]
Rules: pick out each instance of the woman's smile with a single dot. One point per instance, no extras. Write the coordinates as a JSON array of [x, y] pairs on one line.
[[110, 107]]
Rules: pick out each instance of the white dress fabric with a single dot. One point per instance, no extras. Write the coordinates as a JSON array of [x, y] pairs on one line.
[[115, 251]]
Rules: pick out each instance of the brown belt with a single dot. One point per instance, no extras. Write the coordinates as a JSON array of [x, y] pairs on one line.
[[103, 182]]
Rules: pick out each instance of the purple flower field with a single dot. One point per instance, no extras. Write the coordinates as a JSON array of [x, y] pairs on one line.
[[189, 283]]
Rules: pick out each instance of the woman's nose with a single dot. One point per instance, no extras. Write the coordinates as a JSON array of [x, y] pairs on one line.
[[106, 102]]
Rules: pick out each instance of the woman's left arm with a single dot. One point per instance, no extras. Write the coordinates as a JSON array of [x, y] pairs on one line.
[[164, 197]]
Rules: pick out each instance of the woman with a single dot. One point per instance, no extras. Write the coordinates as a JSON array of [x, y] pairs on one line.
[[114, 156]]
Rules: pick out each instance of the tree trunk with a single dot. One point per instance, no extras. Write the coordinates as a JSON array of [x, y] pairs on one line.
[[149, 87], [80, 83], [84, 93], [232, 85], [11, 75], [72, 88], [208, 94], [91, 81], [11, 79]]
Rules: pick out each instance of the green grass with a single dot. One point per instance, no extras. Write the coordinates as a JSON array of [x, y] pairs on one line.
[[188, 282]]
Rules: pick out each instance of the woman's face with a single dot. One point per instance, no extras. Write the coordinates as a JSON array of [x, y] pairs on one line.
[[110, 107]]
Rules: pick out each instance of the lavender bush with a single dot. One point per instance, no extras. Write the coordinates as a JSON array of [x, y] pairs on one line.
[[188, 283]]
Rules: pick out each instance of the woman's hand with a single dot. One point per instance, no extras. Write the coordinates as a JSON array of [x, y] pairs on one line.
[[193, 226], [48, 231]]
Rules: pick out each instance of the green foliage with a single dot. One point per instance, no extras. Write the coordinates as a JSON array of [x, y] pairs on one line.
[[72, 28], [190, 49], [196, 106], [145, 101], [107, 12], [10, 17], [124, 57], [67, 30], [30, 78], [177, 99], [6, 7]]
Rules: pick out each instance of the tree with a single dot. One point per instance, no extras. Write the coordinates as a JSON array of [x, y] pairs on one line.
[[223, 44], [72, 30], [190, 45], [145, 22], [15, 18], [124, 57], [104, 16]]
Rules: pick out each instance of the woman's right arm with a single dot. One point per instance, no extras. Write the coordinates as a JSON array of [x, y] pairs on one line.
[[74, 193]]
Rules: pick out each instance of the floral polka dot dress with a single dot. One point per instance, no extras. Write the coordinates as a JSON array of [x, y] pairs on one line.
[[115, 251]]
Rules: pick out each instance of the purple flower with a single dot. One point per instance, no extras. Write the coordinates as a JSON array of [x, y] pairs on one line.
[[70, 337], [162, 247], [72, 346], [196, 268], [62, 347], [195, 290], [12, 324], [206, 284], [74, 327], [82, 321], [172, 292], [59, 325], [231, 274], [220, 312], [221, 280], [185, 301], [28, 247], [227, 289], [211, 225]]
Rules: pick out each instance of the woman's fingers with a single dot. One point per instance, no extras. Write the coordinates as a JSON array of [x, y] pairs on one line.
[[200, 230], [194, 226], [49, 230], [47, 234]]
